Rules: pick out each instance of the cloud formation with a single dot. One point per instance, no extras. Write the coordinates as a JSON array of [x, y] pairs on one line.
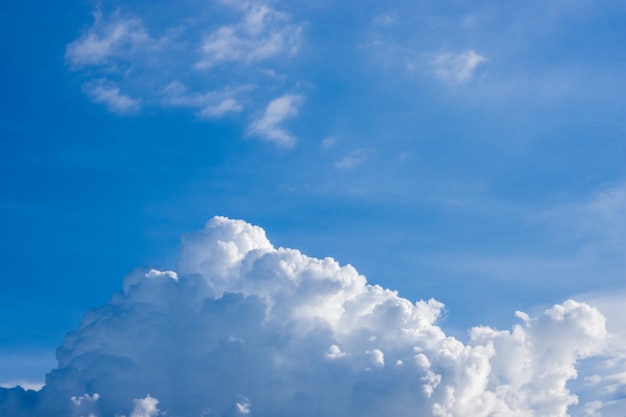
[[243, 328], [459, 67], [269, 125], [106, 43], [110, 95], [262, 33], [212, 72], [354, 158], [210, 104]]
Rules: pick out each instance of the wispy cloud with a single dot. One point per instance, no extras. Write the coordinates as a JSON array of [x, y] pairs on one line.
[[456, 67], [597, 222], [117, 53], [107, 42], [580, 245], [229, 105], [269, 124], [110, 95], [328, 143], [353, 159], [209, 104], [384, 20], [262, 33]]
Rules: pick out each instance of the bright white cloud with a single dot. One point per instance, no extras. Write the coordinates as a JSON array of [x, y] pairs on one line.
[[145, 407], [243, 328], [269, 125], [459, 67], [109, 94]]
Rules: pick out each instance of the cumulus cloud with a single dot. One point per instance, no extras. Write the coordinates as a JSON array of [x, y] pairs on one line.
[[269, 124], [456, 67], [244, 328], [145, 407]]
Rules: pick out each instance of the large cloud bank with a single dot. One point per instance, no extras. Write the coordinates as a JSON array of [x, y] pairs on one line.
[[243, 328]]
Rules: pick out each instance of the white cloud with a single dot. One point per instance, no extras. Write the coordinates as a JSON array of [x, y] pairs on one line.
[[604, 382], [269, 124], [104, 43], [243, 407], [377, 357], [244, 328], [261, 34], [334, 352], [229, 105], [109, 94], [78, 401], [354, 158], [157, 65], [210, 104], [459, 67], [145, 407], [592, 409]]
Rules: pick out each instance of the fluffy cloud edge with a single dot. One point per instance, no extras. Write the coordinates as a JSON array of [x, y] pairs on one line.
[[298, 330]]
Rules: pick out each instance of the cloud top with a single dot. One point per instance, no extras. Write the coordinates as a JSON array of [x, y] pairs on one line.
[[244, 328]]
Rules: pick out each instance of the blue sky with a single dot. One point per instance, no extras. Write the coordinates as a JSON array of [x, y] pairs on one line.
[[470, 152]]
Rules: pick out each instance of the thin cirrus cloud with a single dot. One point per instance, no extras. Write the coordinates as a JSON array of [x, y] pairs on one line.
[[328, 143], [262, 33], [269, 126], [244, 328], [593, 227], [456, 67], [228, 105], [392, 45], [353, 159], [210, 104], [117, 53], [109, 94], [107, 43]]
